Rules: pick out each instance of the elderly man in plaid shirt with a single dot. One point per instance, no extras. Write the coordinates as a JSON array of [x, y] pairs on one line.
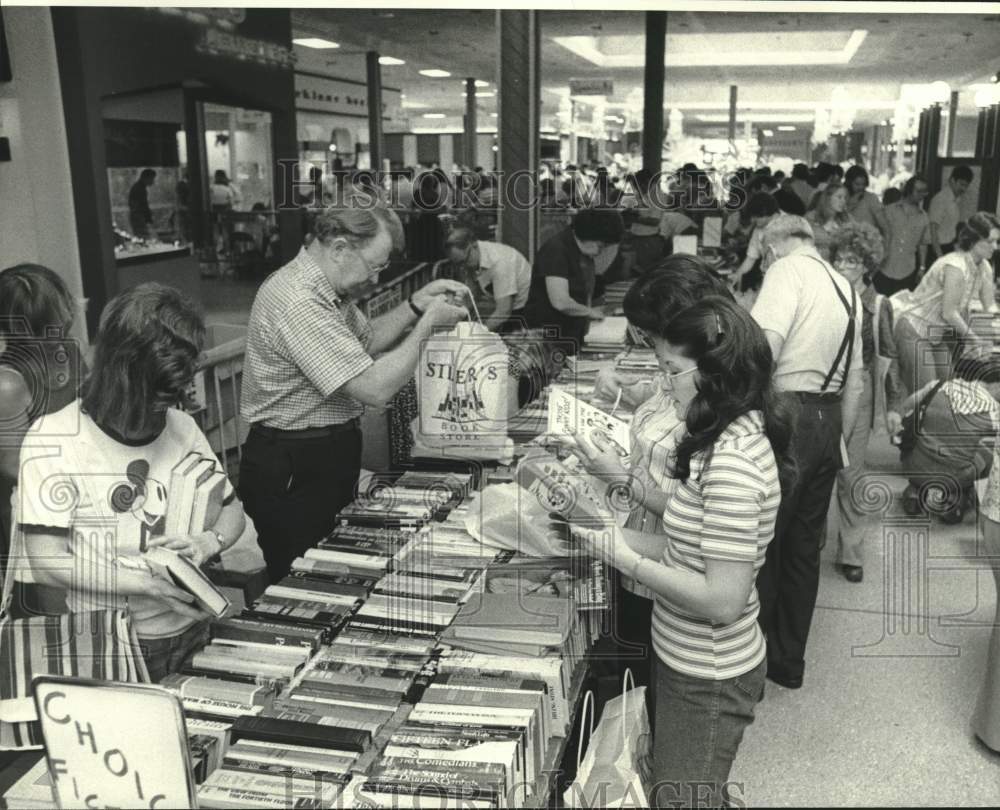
[[313, 361]]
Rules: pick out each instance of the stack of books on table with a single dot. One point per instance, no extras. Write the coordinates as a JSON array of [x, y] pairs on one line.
[[637, 360], [269, 665], [214, 698], [476, 736], [278, 760], [614, 296], [360, 680]]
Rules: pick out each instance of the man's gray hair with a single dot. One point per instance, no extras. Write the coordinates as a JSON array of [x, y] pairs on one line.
[[357, 223], [787, 226]]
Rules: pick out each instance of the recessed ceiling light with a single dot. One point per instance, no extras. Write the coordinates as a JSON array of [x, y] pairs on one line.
[[786, 129], [435, 73], [433, 115], [768, 133], [485, 95], [481, 83], [390, 60], [315, 42], [493, 115]]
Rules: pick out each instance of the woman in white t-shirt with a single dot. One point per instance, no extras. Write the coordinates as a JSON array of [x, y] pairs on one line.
[[97, 484]]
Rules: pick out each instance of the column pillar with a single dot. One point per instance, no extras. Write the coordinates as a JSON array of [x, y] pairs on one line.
[[652, 91], [469, 151], [733, 93], [518, 102], [375, 149], [952, 122]]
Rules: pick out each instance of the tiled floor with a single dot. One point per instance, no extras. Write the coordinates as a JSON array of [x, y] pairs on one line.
[[889, 724], [883, 717]]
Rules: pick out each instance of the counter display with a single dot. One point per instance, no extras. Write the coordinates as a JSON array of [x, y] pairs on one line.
[[168, 264]]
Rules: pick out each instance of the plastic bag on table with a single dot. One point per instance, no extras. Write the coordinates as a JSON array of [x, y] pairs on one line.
[[616, 768], [505, 516]]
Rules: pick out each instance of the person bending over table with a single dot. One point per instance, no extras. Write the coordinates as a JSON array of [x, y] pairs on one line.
[[313, 362], [711, 661], [564, 276]]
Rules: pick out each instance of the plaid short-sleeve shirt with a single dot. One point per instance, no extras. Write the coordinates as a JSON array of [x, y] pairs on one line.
[[304, 342]]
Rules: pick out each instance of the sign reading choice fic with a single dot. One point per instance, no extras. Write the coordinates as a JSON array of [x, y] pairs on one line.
[[114, 745]]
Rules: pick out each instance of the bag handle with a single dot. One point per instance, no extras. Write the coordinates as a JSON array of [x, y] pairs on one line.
[[626, 679], [588, 702], [10, 573]]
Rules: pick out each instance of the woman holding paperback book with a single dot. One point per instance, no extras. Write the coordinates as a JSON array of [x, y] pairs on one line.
[[718, 523], [96, 485], [677, 283]]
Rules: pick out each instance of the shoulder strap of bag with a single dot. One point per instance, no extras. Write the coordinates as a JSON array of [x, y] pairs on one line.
[[847, 344], [918, 419]]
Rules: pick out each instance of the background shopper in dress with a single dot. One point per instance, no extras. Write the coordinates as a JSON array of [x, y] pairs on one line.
[[718, 522], [40, 372], [856, 253], [811, 317], [933, 323], [313, 362], [95, 484]]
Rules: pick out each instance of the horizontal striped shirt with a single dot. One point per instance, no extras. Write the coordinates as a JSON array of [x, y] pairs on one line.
[[725, 510], [304, 342]]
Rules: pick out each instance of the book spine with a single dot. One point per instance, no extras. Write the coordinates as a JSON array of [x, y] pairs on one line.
[[265, 632], [269, 728]]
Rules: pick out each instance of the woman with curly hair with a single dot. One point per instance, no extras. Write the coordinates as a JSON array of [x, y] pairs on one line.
[[95, 487], [827, 214], [856, 253]]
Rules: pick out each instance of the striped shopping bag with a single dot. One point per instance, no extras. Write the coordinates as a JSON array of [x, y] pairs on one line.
[[99, 644]]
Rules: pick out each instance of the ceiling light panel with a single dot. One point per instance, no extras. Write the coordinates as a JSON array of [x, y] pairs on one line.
[[315, 42]]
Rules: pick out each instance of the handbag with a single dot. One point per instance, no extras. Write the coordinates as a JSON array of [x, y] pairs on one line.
[[616, 768], [98, 644]]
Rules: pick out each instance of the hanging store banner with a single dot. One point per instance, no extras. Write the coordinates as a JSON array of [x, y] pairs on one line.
[[322, 94]]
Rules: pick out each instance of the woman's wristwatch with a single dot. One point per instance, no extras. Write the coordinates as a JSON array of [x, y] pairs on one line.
[[220, 538]]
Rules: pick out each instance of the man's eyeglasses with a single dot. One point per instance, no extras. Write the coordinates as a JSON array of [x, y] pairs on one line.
[[373, 271]]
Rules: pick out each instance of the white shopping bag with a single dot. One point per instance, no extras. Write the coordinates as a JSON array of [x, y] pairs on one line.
[[615, 769], [462, 396]]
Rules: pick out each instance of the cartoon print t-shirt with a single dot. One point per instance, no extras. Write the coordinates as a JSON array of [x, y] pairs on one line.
[[109, 498]]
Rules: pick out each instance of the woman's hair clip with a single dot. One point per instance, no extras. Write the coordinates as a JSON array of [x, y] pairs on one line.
[[718, 329]]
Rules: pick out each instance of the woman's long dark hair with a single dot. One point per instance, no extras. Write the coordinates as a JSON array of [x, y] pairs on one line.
[[735, 368], [145, 357]]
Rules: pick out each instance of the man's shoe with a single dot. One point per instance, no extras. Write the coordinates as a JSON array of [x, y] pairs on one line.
[[788, 681], [853, 573]]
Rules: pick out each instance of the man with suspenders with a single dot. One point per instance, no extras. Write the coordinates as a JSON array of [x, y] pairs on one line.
[[812, 319]]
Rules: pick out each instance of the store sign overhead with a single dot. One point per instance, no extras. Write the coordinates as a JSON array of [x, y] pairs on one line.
[[591, 87], [321, 94], [223, 43]]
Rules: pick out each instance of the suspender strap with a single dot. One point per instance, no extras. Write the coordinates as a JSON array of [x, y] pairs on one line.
[[847, 344]]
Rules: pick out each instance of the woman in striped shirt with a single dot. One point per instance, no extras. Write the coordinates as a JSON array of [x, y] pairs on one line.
[[718, 523]]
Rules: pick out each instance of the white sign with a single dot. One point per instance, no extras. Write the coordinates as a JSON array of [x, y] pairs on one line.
[[591, 87], [569, 416], [100, 748], [321, 94]]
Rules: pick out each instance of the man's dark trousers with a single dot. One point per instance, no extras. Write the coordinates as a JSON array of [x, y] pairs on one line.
[[294, 483], [788, 582]]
